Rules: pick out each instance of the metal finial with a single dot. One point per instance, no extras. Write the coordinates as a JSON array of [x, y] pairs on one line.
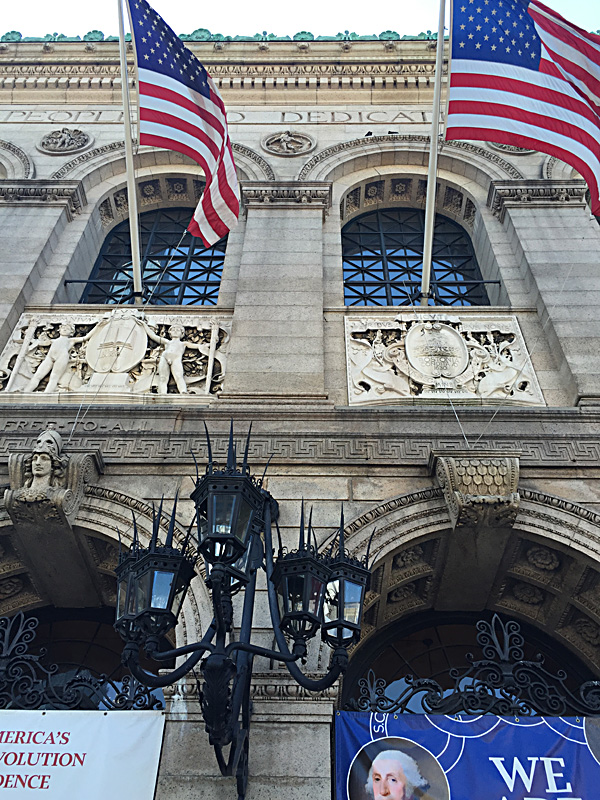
[[301, 542], [169, 542], [231, 450], [136, 541], [209, 451], [311, 533], [197, 471], [246, 449], [341, 539], [369, 547]]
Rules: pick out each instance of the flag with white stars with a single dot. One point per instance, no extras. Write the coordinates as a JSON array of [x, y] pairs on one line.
[[522, 75], [180, 109]]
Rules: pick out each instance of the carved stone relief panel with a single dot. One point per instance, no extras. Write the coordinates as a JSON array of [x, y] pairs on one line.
[[479, 487], [124, 351], [64, 141], [436, 357], [288, 143]]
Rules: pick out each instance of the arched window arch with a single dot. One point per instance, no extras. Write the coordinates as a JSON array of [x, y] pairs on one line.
[[177, 269], [382, 253]]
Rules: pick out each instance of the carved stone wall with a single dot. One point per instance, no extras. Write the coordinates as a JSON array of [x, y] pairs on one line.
[[436, 356]]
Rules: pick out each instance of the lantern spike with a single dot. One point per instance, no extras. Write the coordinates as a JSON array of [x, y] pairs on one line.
[[311, 533], [341, 537], [369, 547], [155, 525], [231, 450], [197, 481], [262, 480], [136, 541], [301, 541], [279, 538], [246, 450], [170, 532], [120, 541], [209, 450], [186, 541]]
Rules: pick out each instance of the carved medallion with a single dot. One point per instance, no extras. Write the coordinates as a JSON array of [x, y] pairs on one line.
[[510, 148], [288, 143], [117, 344], [436, 350], [66, 140]]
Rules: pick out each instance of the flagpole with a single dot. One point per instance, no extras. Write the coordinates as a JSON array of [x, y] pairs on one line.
[[433, 160], [131, 187]]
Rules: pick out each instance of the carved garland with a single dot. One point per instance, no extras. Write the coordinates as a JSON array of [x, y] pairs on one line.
[[358, 144], [247, 152]]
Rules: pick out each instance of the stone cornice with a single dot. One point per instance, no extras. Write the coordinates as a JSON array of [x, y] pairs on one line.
[[534, 194], [69, 194], [287, 194]]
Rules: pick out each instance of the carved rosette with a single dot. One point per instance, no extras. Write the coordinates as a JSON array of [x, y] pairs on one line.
[[479, 488]]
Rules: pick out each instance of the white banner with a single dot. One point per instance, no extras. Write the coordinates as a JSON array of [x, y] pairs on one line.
[[80, 755]]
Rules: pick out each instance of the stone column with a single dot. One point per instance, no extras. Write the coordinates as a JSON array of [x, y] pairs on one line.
[[277, 334], [564, 280]]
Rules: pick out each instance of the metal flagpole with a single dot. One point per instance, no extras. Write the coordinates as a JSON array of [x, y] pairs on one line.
[[131, 187], [433, 159]]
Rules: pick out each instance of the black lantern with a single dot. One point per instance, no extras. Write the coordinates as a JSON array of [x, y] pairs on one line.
[[152, 583], [344, 595], [228, 509], [300, 578]]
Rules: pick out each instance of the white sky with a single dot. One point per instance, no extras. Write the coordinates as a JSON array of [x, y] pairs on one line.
[[241, 17]]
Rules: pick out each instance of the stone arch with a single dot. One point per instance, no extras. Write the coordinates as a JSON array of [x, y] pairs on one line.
[[548, 574], [403, 150], [103, 524], [15, 161]]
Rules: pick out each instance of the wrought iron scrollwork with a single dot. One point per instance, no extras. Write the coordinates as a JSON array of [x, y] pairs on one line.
[[26, 682], [503, 683]]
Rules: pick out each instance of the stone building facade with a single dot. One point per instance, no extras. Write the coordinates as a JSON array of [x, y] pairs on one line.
[[466, 435]]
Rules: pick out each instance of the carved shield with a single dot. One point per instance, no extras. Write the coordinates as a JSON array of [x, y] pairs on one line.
[[117, 345], [436, 350]]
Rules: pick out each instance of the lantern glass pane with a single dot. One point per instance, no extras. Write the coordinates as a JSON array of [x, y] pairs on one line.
[[296, 592], [202, 521], [281, 600], [352, 601], [223, 505], [243, 520], [178, 600], [143, 592], [315, 590], [331, 604], [161, 589], [122, 597]]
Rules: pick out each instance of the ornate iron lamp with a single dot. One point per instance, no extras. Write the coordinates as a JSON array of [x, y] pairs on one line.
[[232, 511], [344, 596], [152, 583]]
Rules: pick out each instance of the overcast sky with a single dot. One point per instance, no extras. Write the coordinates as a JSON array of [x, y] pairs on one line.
[[77, 17]]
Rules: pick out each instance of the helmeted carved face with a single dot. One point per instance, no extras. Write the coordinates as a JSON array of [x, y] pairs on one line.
[[41, 465], [49, 442]]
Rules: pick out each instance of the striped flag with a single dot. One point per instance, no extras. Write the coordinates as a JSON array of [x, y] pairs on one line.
[[181, 109], [523, 75]]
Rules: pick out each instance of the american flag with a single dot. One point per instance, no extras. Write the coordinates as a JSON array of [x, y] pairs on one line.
[[180, 109], [522, 75]]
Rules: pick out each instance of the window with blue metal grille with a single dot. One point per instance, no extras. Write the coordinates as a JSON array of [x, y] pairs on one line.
[[175, 270], [383, 261]]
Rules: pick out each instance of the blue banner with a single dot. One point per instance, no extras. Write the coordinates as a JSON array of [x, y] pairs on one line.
[[419, 757]]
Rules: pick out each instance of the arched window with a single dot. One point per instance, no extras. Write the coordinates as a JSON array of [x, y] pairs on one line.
[[383, 261], [177, 269]]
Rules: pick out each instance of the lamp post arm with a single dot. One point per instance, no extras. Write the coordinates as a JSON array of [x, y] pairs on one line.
[[340, 660], [204, 645], [131, 661], [264, 651]]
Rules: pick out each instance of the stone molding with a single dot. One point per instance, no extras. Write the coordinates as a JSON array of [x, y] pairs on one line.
[[119, 147], [392, 141], [68, 194], [535, 194], [479, 488], [287, 194], [21, 156]]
